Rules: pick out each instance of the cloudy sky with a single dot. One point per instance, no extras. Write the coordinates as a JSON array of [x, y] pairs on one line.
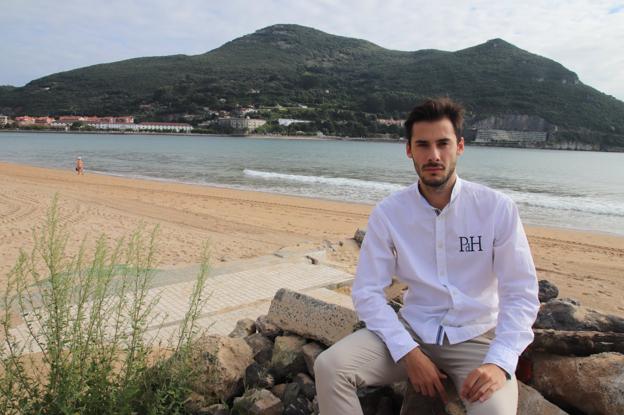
[[40, 37]]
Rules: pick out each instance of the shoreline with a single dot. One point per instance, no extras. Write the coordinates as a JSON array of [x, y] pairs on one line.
[[307, 137], [240, 224], [213, 187], [253, 136], [527, 224]]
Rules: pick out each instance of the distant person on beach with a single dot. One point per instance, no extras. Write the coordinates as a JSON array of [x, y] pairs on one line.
[[79, 166], [472, 287]]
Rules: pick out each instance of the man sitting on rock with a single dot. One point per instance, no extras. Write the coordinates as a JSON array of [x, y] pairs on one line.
[[461, 250]]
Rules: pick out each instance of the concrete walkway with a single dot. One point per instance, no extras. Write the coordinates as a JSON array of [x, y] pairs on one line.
[[236, 290]]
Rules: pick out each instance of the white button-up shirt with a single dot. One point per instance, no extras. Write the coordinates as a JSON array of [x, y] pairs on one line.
[[468, 269]]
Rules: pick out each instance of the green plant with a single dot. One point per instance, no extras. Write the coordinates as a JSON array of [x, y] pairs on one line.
[[85, 346]]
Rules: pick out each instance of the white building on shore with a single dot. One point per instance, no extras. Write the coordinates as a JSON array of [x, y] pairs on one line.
[[288, 121], [248, 124], [175, 127]]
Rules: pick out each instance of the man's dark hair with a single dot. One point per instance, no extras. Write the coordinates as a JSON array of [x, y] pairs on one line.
[[435, 109]]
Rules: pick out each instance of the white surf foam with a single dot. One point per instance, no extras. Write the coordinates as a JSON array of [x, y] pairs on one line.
[[332, 181]]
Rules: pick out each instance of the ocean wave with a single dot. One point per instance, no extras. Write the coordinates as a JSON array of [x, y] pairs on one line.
[[332, 181], [575, 204]]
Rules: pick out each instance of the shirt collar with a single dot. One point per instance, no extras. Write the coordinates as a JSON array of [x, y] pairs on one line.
[[454, 193]]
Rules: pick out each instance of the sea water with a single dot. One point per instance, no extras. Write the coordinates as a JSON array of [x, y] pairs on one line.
[[580, 190]]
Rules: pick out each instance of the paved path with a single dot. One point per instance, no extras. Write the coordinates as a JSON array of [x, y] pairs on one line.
[[241, 289]]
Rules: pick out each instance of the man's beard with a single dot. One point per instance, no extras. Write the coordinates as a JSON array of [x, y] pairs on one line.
[[434, 182]]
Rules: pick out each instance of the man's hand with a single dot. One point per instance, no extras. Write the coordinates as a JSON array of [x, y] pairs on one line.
[[482, 382], [424, 374]]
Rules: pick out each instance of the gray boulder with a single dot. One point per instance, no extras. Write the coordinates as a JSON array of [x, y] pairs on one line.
[[217, 409], [267, 328], [547, 291], [531, 402], [221, 362], [257, 402], [592, 384], [568, 314], [311, 317], [258, 377], [287, 359], [261, 346], [310, 353], [299, 406], [306, 385], [244, 328], [359, 236], [416, 403]]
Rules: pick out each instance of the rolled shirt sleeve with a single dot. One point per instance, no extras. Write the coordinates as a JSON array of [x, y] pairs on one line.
[[517, 289], [376, 266]]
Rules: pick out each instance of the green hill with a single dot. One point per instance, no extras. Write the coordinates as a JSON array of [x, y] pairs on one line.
[[293, 65]]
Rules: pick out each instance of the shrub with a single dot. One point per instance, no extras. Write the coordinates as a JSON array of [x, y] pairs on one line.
[[86, 347]]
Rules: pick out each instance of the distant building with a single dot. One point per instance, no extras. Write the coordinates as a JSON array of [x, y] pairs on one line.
[[70, 118], [390, 121], [125, 123], [44, 121], [509, 136], [206, 123], [102, 125], [4, 120], [288, 121], [126, 119], [164, 126], [24, 121], [243, 111], [245, 124]]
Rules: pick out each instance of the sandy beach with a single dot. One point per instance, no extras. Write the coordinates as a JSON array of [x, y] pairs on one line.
[[243, 224]]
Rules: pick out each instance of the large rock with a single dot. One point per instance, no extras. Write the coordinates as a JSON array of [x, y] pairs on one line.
[[310, 353], [593, 384], [547, 291], [300, 406], [258, 377], [577, 343], [257, 402], [374, 400], [312, 318], [359, 236], [287, 359], [221, 362], [267, 328], [532, 402], [261, 346], [568, 314], [306, 385], [244, 328], [416, 403], [295, 401]]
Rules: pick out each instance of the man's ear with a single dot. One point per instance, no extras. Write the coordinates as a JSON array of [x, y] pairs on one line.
[[408, 150], [460, 146]]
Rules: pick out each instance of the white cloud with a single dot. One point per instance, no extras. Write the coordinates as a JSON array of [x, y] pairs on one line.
[[42, 37]]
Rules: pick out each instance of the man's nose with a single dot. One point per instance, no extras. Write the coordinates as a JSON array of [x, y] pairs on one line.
[[434, 154]]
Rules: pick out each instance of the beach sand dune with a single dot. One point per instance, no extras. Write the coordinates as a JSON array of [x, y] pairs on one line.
[[243, 224]]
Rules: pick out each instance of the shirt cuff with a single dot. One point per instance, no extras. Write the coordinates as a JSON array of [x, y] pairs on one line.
[[401, 346], [502, 357]]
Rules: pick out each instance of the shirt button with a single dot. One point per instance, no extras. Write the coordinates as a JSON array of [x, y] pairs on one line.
[[440, 245]]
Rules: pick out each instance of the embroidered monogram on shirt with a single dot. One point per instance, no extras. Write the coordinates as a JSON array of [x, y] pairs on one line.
[[469, 243]]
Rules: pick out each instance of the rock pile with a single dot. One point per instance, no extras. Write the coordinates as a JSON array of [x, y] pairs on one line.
[[266, 366]]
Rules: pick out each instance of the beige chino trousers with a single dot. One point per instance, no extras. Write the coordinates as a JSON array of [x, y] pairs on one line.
[[362, 359]]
